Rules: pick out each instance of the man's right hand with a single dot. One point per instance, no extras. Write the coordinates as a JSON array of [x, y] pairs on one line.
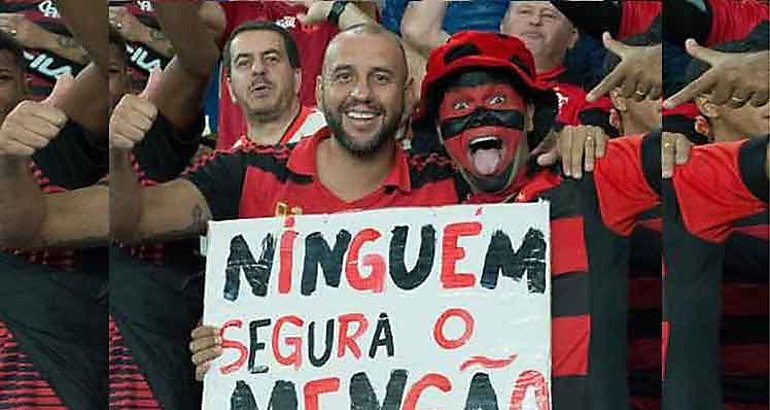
[[133, 116], [206, 345], [31, 125]]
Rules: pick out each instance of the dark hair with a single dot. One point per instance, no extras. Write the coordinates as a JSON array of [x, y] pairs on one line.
[[289, 44], [7, 42], [117, 40]]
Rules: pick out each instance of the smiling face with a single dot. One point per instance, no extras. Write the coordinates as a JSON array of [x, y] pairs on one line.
[[362, 90], [483, 126]]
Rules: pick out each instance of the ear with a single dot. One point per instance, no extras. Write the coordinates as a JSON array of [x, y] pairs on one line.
[[410, 100], [230, 90], [574, 36], [706, 107], [617, 101], [530, 123], [297, 80], [319, 92]]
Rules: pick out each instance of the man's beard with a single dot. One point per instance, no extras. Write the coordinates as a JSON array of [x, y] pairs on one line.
[[386, 133]]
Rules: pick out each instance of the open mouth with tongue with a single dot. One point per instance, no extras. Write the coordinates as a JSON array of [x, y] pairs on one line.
[[486, 155]]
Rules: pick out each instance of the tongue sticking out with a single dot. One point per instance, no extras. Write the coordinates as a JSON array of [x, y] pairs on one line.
[[485, 160]]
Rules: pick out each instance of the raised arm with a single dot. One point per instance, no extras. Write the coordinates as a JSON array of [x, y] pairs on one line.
[[133, 30], [28, 217], [421, 25], [31, 35], [172, 210], [87, 21]]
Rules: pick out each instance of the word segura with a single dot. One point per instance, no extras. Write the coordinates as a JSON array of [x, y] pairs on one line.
[[343, 257]]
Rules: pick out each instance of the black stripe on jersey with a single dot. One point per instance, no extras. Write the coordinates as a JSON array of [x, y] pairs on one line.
[[747, 259], [570, 393], [569, 294], [745, 389], [608, 255], [651, 163], [431, 168], [644, 324], [751, 158], [564, 200], [738, 330], [645, 384]]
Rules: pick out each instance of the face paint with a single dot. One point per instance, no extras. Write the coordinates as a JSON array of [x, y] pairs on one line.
[[482, 127]]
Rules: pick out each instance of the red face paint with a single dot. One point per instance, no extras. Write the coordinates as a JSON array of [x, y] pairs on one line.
[[482, 126]]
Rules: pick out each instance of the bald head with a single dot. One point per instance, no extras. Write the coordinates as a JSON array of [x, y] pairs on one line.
[[361, 31]]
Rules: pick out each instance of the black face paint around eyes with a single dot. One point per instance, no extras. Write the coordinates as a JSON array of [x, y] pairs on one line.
[[482, 117]]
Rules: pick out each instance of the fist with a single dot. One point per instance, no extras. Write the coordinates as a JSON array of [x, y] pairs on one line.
[[130, 121], [29, 127]]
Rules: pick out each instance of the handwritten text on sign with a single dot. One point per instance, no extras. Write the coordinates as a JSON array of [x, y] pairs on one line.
[[393, 309]]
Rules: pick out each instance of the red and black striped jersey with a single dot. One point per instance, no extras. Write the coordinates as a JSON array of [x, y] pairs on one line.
[[21, 385], [128, 388], [52, 339], [715, 308], [591, 220], [148, 348], [311, 42], [251, 181], [42, 66]]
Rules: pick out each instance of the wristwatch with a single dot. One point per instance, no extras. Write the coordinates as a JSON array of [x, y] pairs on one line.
[[337, 8]]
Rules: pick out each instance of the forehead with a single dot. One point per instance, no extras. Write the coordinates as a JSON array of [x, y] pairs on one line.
[[482, 90], [8, 60], [537, 5], [116, 55], [256, 42], [366, 51]]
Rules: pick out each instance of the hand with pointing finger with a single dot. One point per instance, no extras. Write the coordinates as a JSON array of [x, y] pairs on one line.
[[32, 125], [638, 75], [734, 78], [134, 116]]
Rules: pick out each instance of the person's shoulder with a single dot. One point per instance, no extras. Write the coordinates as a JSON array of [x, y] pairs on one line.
[[430, 168]]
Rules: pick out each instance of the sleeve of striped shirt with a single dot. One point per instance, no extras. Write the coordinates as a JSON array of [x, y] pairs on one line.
[[627, 180], [720, 184], [220, 179]]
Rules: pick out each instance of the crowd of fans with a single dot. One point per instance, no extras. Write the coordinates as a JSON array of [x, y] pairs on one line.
[[644, 124]]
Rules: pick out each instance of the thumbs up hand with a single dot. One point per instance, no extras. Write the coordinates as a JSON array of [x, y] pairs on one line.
[[31, 125], [134, 115]]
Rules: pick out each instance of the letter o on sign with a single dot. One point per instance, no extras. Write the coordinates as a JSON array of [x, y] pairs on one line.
[[438, 328]]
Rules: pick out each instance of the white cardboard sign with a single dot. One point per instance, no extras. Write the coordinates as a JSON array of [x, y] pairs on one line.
[[411, 308]]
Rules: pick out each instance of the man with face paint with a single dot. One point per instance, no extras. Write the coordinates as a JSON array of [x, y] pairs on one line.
[[490, 112]]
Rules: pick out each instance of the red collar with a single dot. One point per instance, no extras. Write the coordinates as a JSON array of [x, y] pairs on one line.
[[302, 160], [552, 74]]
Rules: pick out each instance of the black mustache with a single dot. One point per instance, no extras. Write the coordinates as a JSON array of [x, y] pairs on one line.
[[482, 117]]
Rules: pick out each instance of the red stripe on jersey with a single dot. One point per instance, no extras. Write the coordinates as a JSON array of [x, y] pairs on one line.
[[621, 186], [703, 186], [745, 299], [568, 254], [644, 354], [757, 231], [745, 360], [664, 345], [733, 20], [637, 16], [21, 385], [644, 293], [569, 344], [128, 387]]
